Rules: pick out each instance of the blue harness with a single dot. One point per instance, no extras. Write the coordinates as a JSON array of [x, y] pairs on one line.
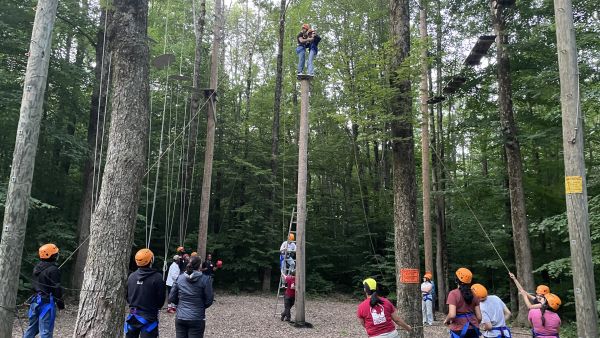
[[535, 334], [465, 327], [502, 329], [427, 297], [146, 325], [43, 308]]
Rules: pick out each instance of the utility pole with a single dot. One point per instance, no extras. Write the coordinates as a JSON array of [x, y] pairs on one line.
[[301, 200], [575, 182], [21, 174], [425, 170], [210, 130]]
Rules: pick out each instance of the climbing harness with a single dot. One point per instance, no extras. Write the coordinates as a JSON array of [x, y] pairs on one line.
[[43, 308], [146, 325], [502, 330], [465, 327], [427, 297], [535, 334]]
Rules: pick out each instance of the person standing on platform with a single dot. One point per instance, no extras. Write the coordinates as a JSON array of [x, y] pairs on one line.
[[174, 272]]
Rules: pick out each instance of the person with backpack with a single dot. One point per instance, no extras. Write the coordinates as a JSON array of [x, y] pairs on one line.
[[377, 314], [48, 293], [145, 295], [193, 294], [464, 313], [427, 300], [532, 301], [545, 322], [494, 313]]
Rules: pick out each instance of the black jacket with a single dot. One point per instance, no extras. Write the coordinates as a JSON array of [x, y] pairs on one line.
[[46, 280], [193, 294], [146, 292]]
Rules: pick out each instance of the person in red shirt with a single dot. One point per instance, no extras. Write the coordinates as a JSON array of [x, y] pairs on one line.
[[289, 297], [377, 314], [464, 314]]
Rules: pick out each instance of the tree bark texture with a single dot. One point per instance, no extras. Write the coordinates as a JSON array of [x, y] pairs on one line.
[[425, 169], [514, 164], [23, 163], [95, 132], [405, 190], [101, 302], [577, 202], [210, 131]]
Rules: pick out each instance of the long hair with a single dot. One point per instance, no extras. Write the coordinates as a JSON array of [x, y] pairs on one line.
[[465, 291], [373, 293], [542, 310], [193, 265]]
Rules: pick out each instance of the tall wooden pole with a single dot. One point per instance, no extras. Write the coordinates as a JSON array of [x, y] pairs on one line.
[[301, 207], [575, 181], [425, 170], [210, 131], [21, 174]]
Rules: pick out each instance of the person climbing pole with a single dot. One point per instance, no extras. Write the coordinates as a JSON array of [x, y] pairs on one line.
[[47, 293], [304, 42], [464, 313], [377, 314], [145, 295], [289, 297], [532, 301], [174, 272], [313, 50], [286, 252], [494, 313], [544, 321], [427, 301], [193, 294]]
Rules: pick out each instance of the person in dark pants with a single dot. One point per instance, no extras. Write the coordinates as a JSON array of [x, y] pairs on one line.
[[208, 268], [48, 294], [145, 296], [193, 294], [289, 297]]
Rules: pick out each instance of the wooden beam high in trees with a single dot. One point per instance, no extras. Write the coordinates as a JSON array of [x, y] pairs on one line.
[[575, 181], [23, 163]]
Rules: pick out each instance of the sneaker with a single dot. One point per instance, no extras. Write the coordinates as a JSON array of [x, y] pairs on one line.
[[282, 317]]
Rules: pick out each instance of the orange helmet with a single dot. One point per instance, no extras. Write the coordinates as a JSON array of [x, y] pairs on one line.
[[306, 26], [553, 301], [464, 275], [291, 237], [542, 290], [180, 249], [479, 291], [428, 275], [47, 250], [194, 254], [144, 257]]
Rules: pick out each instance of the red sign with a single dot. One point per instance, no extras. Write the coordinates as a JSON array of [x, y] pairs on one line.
[[409, 276]]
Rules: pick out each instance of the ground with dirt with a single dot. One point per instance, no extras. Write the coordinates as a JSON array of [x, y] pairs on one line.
[[254, 316]]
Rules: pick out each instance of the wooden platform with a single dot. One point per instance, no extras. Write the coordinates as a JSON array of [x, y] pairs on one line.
[[305, 77]]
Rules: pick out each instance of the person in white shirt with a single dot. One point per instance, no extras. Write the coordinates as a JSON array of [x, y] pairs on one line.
[[172, 278], [427, 301], [494, 313], [286, 250]]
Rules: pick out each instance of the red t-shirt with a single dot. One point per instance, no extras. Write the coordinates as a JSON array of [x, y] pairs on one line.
[[290, 283], [378, 320], [455, 298]]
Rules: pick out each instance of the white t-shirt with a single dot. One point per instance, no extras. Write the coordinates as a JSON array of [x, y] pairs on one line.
[[291, 247], [492, 311], [426, 287], [173, 274]]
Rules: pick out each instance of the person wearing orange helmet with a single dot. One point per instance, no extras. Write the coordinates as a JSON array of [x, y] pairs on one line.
[[532, 301], [494, 313], [286, 252], [304, 41], [427, 301], [544, 321], [48, 293], [145, 295], [464, 313]]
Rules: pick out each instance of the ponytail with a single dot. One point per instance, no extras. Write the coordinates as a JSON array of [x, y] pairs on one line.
[[465, 291], [193, 265], [543, 309], [375, 300]]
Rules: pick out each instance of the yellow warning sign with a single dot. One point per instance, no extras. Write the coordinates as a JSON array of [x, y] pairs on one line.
[[574, 184]]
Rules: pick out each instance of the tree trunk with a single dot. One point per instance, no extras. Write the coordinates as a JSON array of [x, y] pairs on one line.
[[210, 131], [95, 130], [101, 309], [514, 164], [405, 190], [21, 174]]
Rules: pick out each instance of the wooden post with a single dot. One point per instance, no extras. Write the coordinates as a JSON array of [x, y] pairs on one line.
[[21, 174], [210, 131], [575, 181], [301, 207], [425, 171]]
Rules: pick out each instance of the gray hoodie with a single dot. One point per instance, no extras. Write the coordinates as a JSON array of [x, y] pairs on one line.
[[193, 294]]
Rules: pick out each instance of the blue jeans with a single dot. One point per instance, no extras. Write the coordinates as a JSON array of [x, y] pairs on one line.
[[301, 51], [311, 57], [44, 325]]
